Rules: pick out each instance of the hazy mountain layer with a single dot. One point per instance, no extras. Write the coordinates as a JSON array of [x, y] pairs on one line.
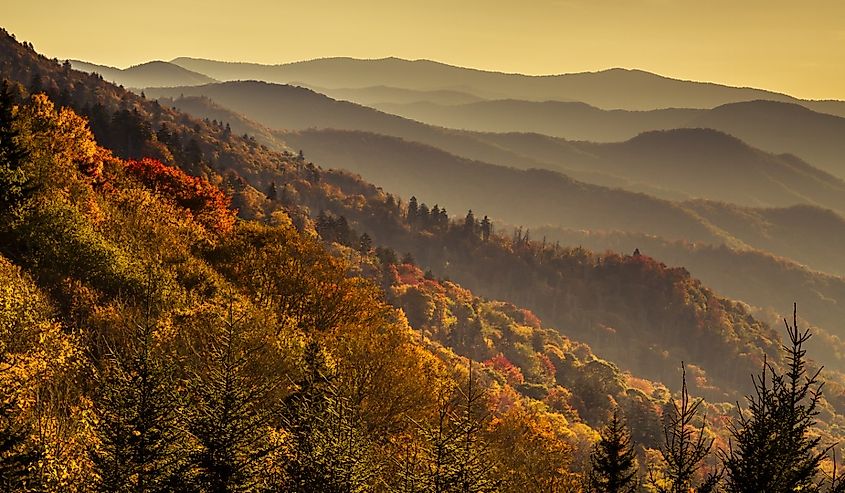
[[773, 126], [150, 74], [611, 89], [673, 165]]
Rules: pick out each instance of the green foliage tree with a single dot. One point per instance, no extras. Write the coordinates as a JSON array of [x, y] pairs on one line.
[[613, 464], [772, 448]]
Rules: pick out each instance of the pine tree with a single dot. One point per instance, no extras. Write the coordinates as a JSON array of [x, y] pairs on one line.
[[330, 452], [454, 457], [138, 410], [613, 466], [232, 404], [684, 447], [469, 225], [771, 447], [13, 155], [413, 211], [486, 228]]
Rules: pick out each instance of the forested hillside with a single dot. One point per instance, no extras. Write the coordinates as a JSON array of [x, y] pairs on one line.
[[184, 309]]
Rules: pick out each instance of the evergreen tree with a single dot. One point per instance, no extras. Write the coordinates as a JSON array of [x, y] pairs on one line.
[[613, 466], [434, 218], [454, 457], [330, 451], [771, 448], [486, 228], [684, 447], [13, 155], [413, 211], [138, 410], [469, 224], [231, 404]]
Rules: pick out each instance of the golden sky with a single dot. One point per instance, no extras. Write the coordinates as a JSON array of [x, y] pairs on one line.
[[797, 47]]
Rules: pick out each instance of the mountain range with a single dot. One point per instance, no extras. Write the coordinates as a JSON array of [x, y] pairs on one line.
[[642, 90]]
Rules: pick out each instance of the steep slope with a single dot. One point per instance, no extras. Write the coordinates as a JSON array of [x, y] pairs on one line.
[[150, 74], [238, 124], [681, 164], [617, 288], [609, 89], [760, 279], [809, 235], [411, 168]]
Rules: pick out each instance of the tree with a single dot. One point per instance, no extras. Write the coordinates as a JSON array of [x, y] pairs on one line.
[[413, 211], [272, 193], [613, 466], [365, 244], [232, 389], [486, 228], [138, 411], [772, 448], [194, 155], [454, 456], [469, 224], [684, 447], [13, 155], [330, 453]]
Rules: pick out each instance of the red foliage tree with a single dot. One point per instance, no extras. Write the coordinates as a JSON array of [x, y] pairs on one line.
[[511, 372], [207, 203]]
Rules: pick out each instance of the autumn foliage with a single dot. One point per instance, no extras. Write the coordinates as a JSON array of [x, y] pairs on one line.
[[208, 204]]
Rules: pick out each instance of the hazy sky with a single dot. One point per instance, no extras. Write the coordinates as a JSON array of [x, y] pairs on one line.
[[791, 46]]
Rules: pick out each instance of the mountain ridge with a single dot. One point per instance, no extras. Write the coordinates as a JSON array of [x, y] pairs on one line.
[[589, 87]]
